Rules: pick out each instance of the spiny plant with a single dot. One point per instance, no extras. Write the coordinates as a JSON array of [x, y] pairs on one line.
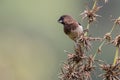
[[80, 65]]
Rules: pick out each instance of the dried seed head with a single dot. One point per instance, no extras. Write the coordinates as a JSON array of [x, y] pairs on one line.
[[118, 60], [117, 21], [108, 37], [75, 58], [91, 14], [117, 41], [84, 41], [110, 72]]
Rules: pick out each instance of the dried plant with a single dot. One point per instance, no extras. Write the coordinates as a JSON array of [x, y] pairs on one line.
[[91, 14], [117, 41], [111, 72], [80, 65]]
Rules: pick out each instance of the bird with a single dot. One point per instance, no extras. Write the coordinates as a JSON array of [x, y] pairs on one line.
[[72, 28]]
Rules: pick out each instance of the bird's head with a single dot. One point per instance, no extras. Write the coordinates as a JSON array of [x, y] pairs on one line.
[[65, 19]]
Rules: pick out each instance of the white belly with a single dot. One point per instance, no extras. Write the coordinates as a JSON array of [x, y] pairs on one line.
[[75, 34]]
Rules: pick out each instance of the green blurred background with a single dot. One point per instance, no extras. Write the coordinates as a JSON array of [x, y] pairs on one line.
[[32, 43]]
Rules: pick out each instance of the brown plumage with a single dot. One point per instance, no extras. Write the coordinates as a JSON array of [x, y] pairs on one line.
[[71, 27]]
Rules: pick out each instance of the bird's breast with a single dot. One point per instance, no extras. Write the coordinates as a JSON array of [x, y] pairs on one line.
[[76, 33]]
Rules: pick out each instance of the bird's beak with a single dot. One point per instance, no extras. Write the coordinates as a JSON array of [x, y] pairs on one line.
[[60, 21]]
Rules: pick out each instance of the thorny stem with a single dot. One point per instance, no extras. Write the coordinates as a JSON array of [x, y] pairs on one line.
[[112, 28], [95, 3], [116, 56], [99, 48], [117, 49], [88, 25], [102, 44], [95, 55]]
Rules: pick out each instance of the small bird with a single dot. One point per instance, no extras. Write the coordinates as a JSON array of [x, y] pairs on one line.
[[71, 27]]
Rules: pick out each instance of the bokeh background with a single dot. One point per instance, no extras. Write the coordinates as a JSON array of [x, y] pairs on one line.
[[32, 43]]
